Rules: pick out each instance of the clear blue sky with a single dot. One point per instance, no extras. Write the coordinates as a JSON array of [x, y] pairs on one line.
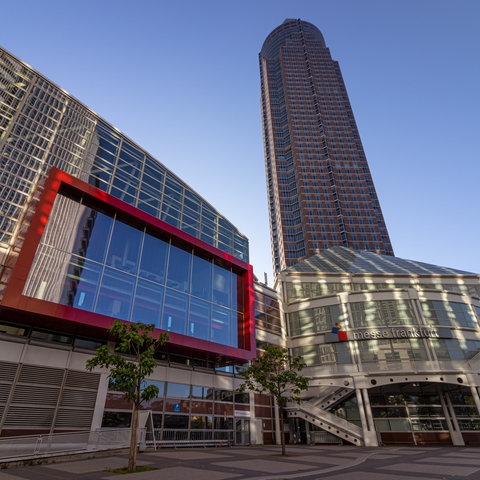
[[181, 79]]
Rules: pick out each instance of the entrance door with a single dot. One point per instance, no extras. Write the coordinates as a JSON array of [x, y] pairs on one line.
[[242, 431]]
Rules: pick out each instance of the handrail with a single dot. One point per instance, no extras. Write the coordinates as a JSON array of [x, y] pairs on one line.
[[26, 446], [327, 421]]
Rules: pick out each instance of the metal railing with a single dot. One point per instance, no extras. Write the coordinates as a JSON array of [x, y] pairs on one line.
[[177, 438], [61, 443]]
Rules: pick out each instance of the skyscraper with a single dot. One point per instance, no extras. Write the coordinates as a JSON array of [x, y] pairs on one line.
[[320, 189]]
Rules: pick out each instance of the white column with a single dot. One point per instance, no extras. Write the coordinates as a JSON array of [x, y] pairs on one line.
[[476, 397], [453, 427], [366, 418]]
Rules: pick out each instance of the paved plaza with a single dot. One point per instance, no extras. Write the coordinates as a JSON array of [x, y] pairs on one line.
[[266, 463]]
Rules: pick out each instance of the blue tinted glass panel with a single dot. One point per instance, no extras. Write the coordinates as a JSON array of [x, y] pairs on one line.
[[237, 293], [179, 266], [153, 263], [178, 390], [175, 312], [199, 319], [148, 204], [202, 278], [96, 233], [124, 248], [221, 286], [221, 325], [81, 284], [116, 294], [147, 307]]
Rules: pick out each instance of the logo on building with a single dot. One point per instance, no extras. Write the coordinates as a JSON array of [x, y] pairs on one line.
[[341, 334]]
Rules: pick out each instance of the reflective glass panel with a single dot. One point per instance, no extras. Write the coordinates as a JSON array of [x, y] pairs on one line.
[[221, 325], [221, 286], [81, 284], [96, 232], [116, 294], [175, 312], [148, 301], [178, 390], [202, 278], [153, 263], [199, 319], [124, 247], [179, 264]]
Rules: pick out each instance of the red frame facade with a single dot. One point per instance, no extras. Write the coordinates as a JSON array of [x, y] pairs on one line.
[[66, 318]]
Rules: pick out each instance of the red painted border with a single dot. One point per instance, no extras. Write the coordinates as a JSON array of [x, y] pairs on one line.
[[14, 299]]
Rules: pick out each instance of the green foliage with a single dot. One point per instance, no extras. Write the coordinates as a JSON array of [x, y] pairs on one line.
[[277, 373], [131, 361]]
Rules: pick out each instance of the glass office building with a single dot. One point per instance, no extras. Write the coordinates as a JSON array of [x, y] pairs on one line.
[[93, 229]]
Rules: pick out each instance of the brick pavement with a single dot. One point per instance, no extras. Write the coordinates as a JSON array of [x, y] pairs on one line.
[[265, 463]]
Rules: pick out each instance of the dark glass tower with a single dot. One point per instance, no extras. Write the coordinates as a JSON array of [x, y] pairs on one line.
[[320, 189]]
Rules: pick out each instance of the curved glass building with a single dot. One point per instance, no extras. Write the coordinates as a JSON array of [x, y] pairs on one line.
[[392, 348], [92, 229]]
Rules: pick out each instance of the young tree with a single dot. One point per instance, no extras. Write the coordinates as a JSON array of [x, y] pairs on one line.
[[131, 361], [277, 373]]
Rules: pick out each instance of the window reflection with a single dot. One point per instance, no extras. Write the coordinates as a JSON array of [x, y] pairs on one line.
[[221, 325], [221, 286], [112, 268], [96, 233], [81, 284], [199, 319], [148, 301], [124, 247], [175, 312], [179, 269], [115, 294], [202, 278], [154, 259]]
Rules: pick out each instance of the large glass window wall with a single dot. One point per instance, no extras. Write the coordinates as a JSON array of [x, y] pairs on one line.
[[182, 411], [110, 267], [419, 407], [455, 348], [315, 320], [297, 291], [384, 353], [449, 314], [125, 171], [50, 128], [382, 313], [326, 354], [267, 313]]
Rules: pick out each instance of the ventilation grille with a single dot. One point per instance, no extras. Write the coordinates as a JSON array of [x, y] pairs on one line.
[[82, 379], [4, 391], [41, 375], [35, 402], [29, 417], [74, 418], [7, 371], [79, 398], [28, 394]]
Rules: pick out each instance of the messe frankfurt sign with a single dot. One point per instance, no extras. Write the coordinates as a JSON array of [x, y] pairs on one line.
[[411, 332], [338, 334]]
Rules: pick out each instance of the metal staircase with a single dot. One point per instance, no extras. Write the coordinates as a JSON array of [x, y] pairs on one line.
[[332, 398], [327, 421]]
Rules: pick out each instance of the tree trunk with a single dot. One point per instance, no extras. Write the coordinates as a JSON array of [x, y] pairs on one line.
[[282, 428], [132, 455]]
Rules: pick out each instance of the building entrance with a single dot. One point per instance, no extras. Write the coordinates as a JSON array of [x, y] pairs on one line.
[[422, 413], [242, 431]]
